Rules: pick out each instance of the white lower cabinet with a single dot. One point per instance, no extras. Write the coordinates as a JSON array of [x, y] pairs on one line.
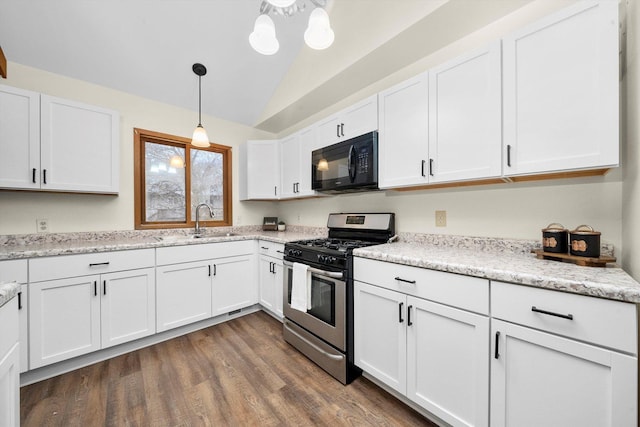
[[82, 303], [74, 316], [271, 276], [16, 270], [221, 279], [434, 354], [9, 365], [561, 359]]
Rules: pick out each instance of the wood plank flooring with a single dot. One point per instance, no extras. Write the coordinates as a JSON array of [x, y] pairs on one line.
[[239, 373]]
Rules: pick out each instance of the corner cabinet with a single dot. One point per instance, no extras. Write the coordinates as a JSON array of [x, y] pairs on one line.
[[409, 337], [54, 144], [81, 303], [562, 359], [261, 158], [561, 91]]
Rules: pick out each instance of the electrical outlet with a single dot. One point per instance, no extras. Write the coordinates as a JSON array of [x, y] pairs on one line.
[[441, 218], [42, 225], [298, 218]]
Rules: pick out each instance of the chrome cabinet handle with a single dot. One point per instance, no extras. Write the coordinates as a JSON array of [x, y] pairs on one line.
[[551, 313]]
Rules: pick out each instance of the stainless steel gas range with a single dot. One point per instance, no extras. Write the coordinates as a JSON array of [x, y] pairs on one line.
[[322, 328]]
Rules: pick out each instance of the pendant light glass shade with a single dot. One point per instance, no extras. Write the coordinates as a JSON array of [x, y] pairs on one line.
[[319, 34], [263, 38], [282, 3], [200, 137]]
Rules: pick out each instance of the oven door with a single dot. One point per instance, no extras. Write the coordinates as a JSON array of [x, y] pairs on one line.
[[326, 317]]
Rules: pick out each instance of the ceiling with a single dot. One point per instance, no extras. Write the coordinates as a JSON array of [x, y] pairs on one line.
[[147, 48]]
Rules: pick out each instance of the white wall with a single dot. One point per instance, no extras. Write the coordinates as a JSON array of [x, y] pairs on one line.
[[76, 212]]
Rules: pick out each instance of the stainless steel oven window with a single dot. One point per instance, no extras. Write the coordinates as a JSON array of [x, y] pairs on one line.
[[323, 298]]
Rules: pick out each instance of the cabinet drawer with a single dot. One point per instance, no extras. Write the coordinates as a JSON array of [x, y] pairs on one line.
[[205, 251], [271, 249], [63, 266], [603, 322], [468, 293], [14, 270]]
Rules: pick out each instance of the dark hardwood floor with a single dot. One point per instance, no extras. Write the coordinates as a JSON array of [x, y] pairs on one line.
[[237, 373]]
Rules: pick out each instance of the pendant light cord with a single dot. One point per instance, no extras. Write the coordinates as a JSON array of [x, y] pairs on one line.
[[199, 100]]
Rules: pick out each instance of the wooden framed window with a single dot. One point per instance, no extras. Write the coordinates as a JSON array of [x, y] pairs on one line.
[[171, 178]]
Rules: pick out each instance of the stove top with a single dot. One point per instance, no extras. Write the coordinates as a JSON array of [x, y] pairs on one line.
[[339, 245]]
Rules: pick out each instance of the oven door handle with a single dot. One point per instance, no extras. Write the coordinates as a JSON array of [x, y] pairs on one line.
[[315, 347], [332, 274]]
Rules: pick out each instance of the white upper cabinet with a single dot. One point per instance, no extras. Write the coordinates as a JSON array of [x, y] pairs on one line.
[[356, 120], [403, 143], [561, 91], [295, 157], [465, 108], [263, 169], [79, 147], [58, 145]]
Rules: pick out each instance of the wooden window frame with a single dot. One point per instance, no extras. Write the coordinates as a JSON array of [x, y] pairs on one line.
[[142, 135]]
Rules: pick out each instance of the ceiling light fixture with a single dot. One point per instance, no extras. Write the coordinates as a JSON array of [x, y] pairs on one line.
[[318, 35], [200, 137]]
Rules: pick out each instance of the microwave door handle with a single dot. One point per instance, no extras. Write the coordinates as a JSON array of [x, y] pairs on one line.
[[352, 165]]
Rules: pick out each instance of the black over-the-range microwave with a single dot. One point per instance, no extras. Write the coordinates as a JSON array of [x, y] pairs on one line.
[[346, 166]]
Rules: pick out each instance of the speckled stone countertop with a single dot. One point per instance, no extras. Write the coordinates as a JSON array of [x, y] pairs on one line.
[[508, 262], [8, 290], [34, 245]]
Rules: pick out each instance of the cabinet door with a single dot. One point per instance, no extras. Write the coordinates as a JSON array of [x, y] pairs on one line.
[[267, 283], [542, 379], [10, 387], [23, 313], [79, 147], [328, 131], [290, 163], [128, 305], [448, 362], [278, 284], [308, 143], [561, 91], [233, 285], [263, 169], [465, 117], [403, 143], [64, 319], [380, 334], [183, 294], [19, 138], [360, 118]]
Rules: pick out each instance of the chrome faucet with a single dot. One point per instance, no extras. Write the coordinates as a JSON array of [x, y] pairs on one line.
[[198, 230]]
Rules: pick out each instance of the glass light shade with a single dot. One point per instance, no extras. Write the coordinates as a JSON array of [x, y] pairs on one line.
[[176, 162], [200, 137], [282, 3], [319, 34], [263, 38], [323, 165]]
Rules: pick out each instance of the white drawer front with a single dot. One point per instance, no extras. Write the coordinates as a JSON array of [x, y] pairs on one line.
[[603, 322], [467, 293], [202, 252], [14, 270], [59, 267], [271, 249]]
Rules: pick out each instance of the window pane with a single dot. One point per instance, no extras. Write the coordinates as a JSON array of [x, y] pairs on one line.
[[207, 179], [164, 183]]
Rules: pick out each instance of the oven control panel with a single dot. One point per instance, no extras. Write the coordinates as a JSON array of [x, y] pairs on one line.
[[326, 259]]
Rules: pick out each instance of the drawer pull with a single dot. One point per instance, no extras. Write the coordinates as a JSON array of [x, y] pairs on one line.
[[96, 264], [264, 247], [400, 279], [496, 353], [551, 313]]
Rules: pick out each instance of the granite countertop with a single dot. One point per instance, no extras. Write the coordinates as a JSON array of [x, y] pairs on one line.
[[8, 290], [33, 246], [520, 267]]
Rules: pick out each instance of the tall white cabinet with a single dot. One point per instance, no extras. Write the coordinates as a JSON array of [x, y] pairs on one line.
[[561, 91], [54, 144]]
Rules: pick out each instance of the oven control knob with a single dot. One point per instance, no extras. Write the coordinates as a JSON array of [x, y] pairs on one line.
[[298, 252], [332, 260], [322, 258]]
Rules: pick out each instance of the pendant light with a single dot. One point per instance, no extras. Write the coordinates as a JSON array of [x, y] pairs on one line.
[[200, 137]]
